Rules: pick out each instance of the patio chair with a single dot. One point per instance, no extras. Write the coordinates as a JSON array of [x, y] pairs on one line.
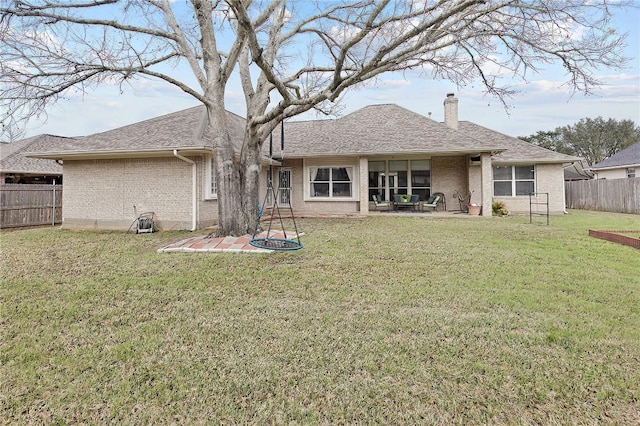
[[380, 204], [431, 203], [442, 202]]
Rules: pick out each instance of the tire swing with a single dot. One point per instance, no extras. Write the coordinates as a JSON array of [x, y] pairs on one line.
[[270, 242]]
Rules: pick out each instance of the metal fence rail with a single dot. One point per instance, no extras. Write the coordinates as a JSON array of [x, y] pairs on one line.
[[608, 195], [30, 205]]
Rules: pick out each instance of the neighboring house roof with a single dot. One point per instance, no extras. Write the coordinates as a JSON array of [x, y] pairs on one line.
[[517, 150], [379, 129], [13, 157], [577, 171], [628, 157], [182, 130]]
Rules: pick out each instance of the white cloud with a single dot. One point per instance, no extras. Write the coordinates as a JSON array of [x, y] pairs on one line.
[[544, 86], [621, 77]]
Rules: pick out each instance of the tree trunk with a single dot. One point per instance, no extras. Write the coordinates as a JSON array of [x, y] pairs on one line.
[[229, 193], [250, 180], [238, 182], [230, 220]]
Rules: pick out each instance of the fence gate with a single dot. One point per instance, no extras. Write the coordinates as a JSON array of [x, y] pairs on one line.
[[30, 205]]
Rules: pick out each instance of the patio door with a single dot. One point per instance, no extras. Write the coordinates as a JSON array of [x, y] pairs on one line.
[[284, 194], [389, 184]]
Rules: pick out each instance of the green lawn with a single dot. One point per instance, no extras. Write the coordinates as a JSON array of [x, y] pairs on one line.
[[387, 320]]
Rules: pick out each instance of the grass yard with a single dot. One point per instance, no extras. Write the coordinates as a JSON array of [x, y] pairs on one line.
[[386, 320]]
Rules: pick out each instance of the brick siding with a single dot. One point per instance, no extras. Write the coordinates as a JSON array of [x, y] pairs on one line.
[[111, 194], [549, 178]]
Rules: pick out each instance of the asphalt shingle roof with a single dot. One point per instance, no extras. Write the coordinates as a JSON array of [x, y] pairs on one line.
[[385, 129], [378, 129], [14, 160], [577, 171], [629, 156], [516, 150], [179, 130]]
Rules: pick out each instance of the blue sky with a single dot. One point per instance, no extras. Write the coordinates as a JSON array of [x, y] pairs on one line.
[[542, 104]]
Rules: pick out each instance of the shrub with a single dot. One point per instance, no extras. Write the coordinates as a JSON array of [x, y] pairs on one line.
[[499, 208]]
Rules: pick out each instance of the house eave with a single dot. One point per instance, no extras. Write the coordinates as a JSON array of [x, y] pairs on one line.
[[621, 166], [120, 153], [531, 161], [492, 150], [30, 172]]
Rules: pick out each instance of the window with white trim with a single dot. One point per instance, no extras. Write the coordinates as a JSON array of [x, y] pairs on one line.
[[509, 181], [631, 172], [211, 189], [331, 182]]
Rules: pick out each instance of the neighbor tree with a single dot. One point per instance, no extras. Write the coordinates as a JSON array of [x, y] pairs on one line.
[[593, 139], [551, 139], [597, 139], [291, 57]]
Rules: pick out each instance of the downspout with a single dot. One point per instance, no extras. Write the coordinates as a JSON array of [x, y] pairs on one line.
[[564, 194], [194, 196]]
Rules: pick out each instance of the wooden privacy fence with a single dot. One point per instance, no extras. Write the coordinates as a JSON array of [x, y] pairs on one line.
[[607, 195], [30, 205]]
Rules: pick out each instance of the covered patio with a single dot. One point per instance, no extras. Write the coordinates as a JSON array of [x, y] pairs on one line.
[[460, 179]]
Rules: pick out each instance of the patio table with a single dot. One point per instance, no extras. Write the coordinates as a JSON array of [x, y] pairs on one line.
[[405, 201]]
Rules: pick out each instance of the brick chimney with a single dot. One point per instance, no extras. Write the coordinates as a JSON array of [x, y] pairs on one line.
[[451, 111]]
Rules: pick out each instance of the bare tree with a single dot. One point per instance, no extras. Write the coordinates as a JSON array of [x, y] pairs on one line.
[[291, 56], [10, 130]]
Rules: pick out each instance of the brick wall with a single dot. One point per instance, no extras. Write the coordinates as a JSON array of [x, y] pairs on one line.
[[448, 175], [207, 208], [297, 183], [630, 240], [549, 178], [111, 194]]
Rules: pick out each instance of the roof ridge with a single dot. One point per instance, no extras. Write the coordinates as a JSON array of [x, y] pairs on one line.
[[389, 104]]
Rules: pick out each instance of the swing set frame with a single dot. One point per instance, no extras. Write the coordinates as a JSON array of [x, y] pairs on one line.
[[271, 242]]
